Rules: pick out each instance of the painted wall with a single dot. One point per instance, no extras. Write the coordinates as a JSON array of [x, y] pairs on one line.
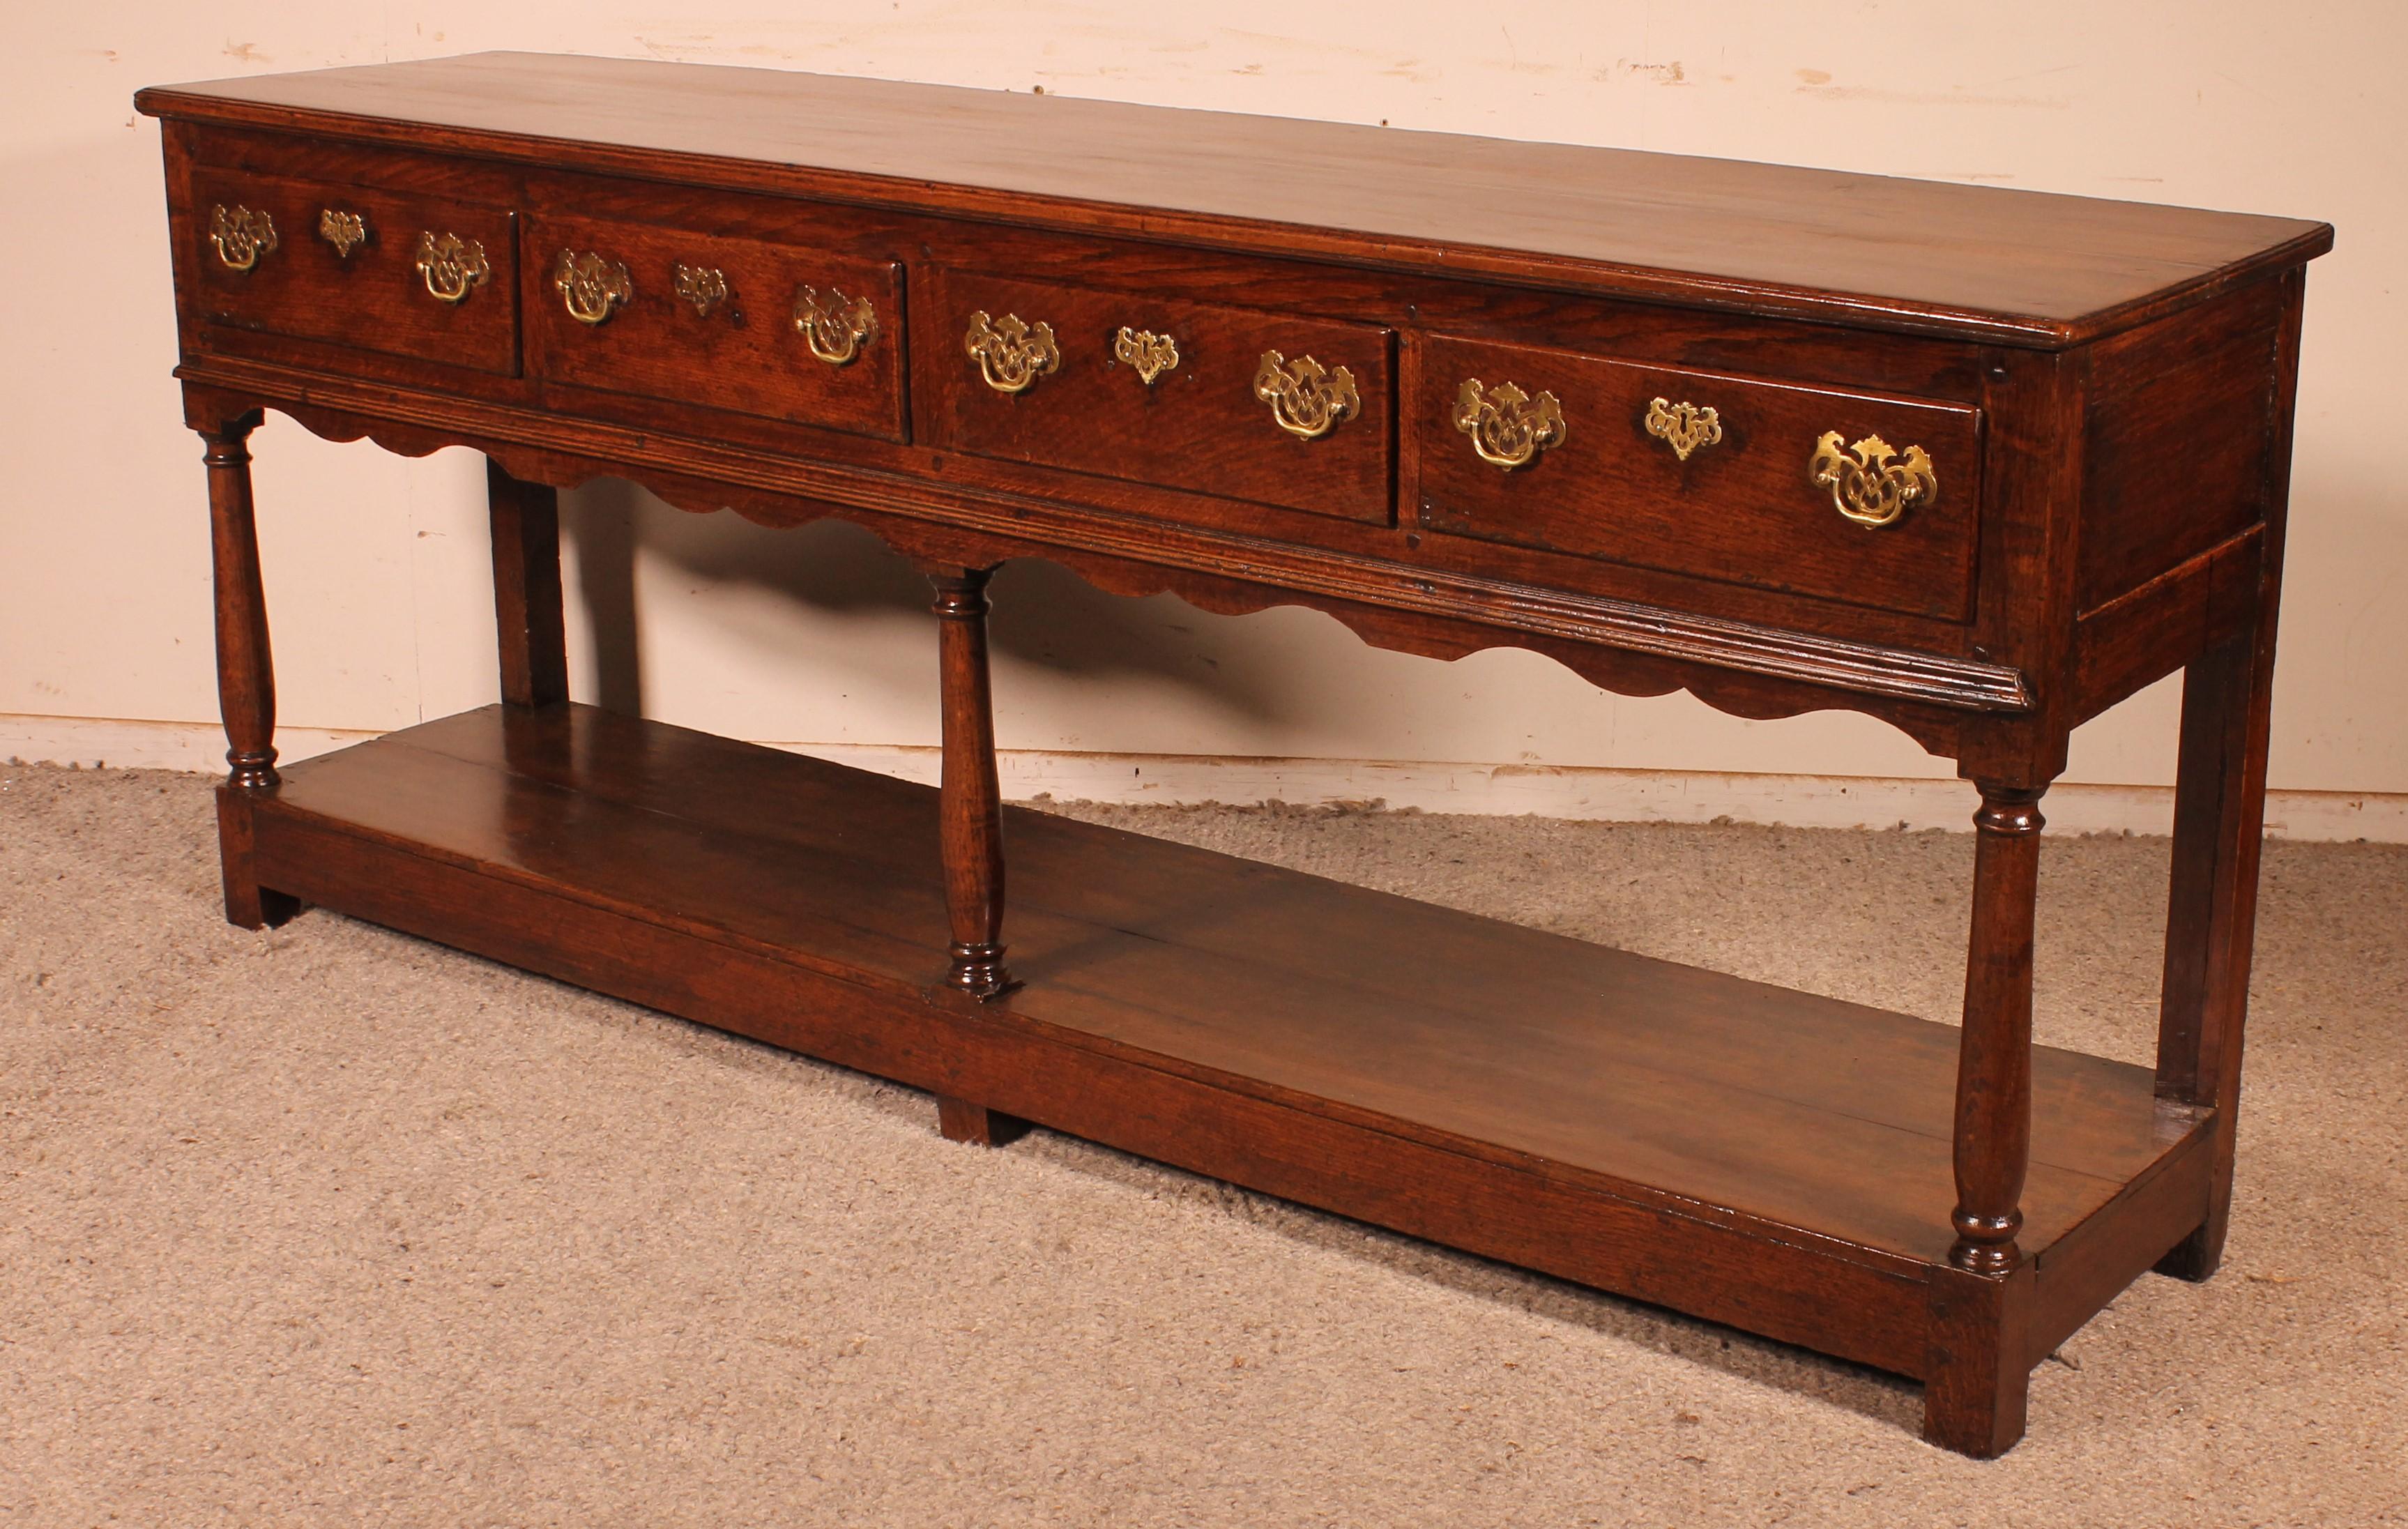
[[377, 566]]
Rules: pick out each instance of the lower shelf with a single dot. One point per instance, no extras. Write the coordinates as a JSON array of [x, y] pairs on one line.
[[1766, 1158]]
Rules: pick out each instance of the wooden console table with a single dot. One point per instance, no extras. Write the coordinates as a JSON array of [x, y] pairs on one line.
[[1978, 463]]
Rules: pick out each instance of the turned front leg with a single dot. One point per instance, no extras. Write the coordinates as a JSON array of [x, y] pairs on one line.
[[246, 675], [1992, 1143], [1977, 1371], [970, 798]]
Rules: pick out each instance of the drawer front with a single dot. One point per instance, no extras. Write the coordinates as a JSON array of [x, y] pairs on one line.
[[778, 331], [1780, 487], [1244, 405], [359, 267]]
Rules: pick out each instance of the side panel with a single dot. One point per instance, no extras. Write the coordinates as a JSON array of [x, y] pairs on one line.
[[2179, 425]]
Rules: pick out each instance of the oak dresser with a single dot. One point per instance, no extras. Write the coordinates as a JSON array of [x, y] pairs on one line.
[[1976, 461]]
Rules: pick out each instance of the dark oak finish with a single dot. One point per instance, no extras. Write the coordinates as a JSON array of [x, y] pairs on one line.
[[1994, 1072], [371, 300], [744, 353], [2012, 267], [2219, 809], [246, 670], [1977, 1359], [972, 798], [528, 619], [2192, 389], [1684, 1092], [2219, 823], [958, 1120], [1198, 425], [2080, 413], [1740, 509]]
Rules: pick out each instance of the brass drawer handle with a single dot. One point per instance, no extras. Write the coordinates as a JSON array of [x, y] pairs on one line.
[[837, 329], [704, 286], [1011, 353], [1307, 399], [591, 287], [1683, 426], [345, 231], [1149, 353], [241, 235], [1508, 427], [451, 266], [1869, 487]]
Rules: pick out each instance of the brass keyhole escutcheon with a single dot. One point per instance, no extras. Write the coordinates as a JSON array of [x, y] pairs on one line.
[[345, 231], [451, 266], [241, 235], [703, 286], [837, 329], [1307, 399], [1148, 354], [1508, 427], [1011, 353], [1867, 485], [1683, 426], [592, 288]]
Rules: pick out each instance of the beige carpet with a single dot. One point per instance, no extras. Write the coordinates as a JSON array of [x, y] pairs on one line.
[[328, 1226]]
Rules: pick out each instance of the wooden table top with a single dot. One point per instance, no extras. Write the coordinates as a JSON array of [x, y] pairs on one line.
[[1979, 261]]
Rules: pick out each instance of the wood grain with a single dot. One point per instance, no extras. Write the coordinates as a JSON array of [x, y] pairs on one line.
[[2181, 426], [1678, 1254], [529, 621], [970, 797], [1741, 509], [373, 300], [1827, 1117], [2013, 266], [1994, 1083], [1746, 667], [1198, 425], [2105, 392], [745, 355]]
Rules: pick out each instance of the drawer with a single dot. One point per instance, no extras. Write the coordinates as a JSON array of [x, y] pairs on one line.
[[367, 269], [1725, 478], [772, 329], [1245, 404]]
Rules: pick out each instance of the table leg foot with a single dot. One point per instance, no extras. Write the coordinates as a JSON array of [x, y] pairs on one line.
[[247, 905], [959, 1119], [1977, 1373], [2195, 1258]]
